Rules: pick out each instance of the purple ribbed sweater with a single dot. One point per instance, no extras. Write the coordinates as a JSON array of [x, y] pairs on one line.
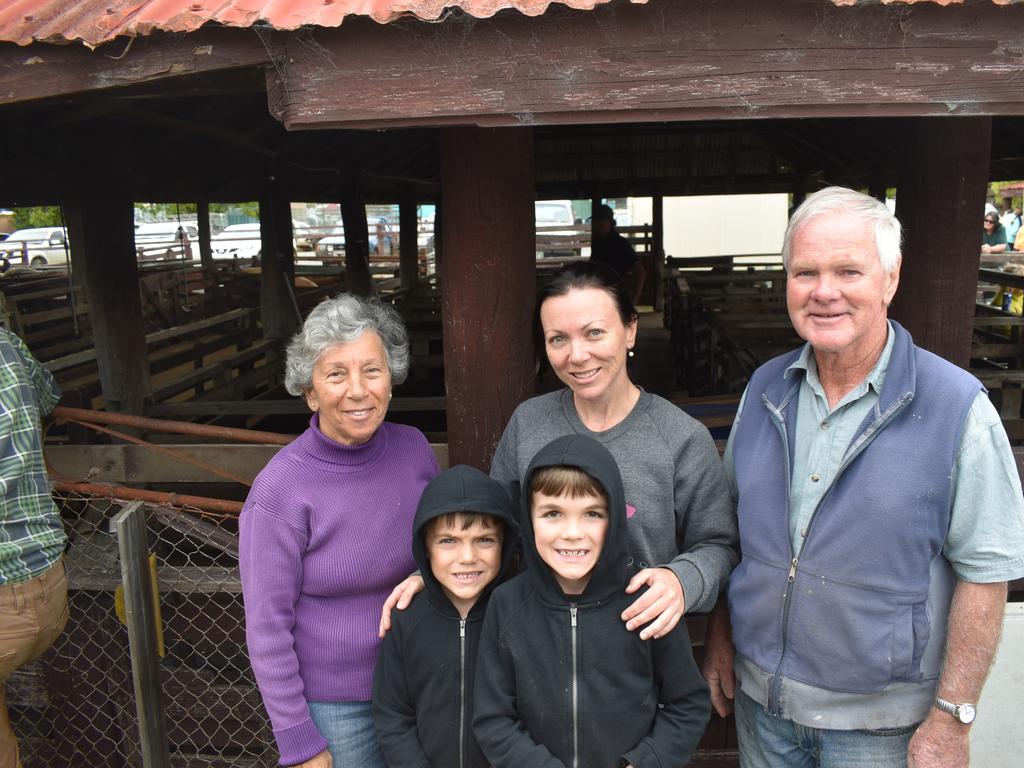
[[325, 536]]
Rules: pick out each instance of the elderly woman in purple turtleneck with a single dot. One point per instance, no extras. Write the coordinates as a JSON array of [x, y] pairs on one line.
[[325, 535]]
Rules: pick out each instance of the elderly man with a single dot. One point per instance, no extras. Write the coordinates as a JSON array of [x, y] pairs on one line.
[[880, 518]]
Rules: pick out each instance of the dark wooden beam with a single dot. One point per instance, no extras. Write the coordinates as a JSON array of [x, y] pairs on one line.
[[639, 63], [357, 246], [278, 309], [940, 202], [102, 212], [408, 234], [48, 71], [205, 248], [487, 284]]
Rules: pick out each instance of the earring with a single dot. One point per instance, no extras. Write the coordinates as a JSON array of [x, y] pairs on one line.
[[630, 352]]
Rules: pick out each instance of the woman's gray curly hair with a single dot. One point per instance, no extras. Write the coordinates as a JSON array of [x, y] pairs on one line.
[[342, 320]]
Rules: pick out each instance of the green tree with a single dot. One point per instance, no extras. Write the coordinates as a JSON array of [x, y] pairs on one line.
[[39, 216]]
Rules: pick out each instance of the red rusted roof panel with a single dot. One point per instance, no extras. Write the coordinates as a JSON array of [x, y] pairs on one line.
[[97, 21]]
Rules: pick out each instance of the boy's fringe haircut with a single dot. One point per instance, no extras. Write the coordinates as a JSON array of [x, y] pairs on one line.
[[565, 481], [464, 521]]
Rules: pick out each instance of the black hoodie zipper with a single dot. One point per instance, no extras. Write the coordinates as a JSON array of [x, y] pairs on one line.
[[462, 693], [575, 692]]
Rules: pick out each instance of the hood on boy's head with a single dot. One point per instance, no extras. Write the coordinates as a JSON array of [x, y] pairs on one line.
[[588, 455], [462, 489]]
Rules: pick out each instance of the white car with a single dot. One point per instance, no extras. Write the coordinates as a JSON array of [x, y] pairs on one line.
[[165, 240], [237, 241], [37, 246]]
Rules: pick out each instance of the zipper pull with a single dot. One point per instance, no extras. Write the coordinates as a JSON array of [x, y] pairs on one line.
[[572, 615], [462, 627], [792, 570]]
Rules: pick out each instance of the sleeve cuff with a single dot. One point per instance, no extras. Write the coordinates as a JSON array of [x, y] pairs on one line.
[[299, 743], [642, 756], [693, 585]]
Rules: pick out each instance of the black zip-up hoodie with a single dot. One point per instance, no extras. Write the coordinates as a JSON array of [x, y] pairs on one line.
[[561, 681], [423, 682]]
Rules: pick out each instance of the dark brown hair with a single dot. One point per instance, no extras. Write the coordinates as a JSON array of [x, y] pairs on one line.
[[463, 521], [565, 481]]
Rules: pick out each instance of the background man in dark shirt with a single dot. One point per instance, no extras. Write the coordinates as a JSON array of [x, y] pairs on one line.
[[612, 249]]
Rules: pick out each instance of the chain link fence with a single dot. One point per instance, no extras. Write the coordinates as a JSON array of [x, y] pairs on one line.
[[76, 704]]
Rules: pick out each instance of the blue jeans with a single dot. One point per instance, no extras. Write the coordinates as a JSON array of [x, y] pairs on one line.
[[773, 742], [348, 728]]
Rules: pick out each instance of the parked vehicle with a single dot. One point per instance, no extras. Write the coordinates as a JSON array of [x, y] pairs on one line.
[[165, 240], [552, 241], [237, 241], [38, 246], [333, 244]]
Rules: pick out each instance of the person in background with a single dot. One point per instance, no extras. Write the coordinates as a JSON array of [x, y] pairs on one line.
[[613, 250], [1012, 225], [33, 583], [880, 516], [325, 532], [993, 238]]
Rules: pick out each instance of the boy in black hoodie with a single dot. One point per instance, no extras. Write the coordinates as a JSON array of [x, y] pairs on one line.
[[463, 541], [561, 682]]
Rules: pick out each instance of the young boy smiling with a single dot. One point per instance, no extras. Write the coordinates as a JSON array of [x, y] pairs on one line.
[[463, 542], [562, 682]]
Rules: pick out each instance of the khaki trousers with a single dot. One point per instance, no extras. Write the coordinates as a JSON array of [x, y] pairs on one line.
[[32, 616]]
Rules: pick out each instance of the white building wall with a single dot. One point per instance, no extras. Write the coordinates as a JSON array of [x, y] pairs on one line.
[[723, 225]]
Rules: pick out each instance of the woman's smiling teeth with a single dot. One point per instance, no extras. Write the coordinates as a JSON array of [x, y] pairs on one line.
[[585, 374]]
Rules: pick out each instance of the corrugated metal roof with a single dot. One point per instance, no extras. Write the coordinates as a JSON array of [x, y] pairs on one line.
[[97, 21]]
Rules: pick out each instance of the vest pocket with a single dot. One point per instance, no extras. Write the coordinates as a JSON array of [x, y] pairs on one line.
[[756, 608], [848, 638]]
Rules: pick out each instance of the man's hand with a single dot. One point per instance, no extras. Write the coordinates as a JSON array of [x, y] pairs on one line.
[[662, 604], [399, 598], [323, 760], [940, 742], [718, 659]]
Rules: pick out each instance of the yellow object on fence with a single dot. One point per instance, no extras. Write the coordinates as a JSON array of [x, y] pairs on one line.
[[122, 615]]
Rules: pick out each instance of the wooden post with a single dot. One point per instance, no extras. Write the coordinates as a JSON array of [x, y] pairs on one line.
[[280, 314], [940, 202], [408, 236], [104, 219], [130, 526], [876, 184], [358, 279], [658, 251], [205, 249], [488, 283]]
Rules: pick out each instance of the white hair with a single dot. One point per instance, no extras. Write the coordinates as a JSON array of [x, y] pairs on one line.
[[886, 227], [342, 320]]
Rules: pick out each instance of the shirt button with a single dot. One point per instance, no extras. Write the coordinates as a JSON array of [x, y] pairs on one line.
[[815, 478], [804, 533], [824, 425]]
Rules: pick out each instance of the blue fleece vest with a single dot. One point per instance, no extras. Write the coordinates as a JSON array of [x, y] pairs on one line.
[[855, 609]]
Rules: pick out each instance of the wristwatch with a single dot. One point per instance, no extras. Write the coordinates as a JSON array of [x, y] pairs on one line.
[[963, 712]]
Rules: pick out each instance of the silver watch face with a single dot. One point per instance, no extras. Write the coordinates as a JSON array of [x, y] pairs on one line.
[[965, 713]]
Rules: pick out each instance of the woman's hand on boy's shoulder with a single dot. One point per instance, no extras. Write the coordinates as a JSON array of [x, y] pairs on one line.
[[399, 598], [661, 606]]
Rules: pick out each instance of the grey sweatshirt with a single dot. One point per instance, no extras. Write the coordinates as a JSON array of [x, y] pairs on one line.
[[680, 511]]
